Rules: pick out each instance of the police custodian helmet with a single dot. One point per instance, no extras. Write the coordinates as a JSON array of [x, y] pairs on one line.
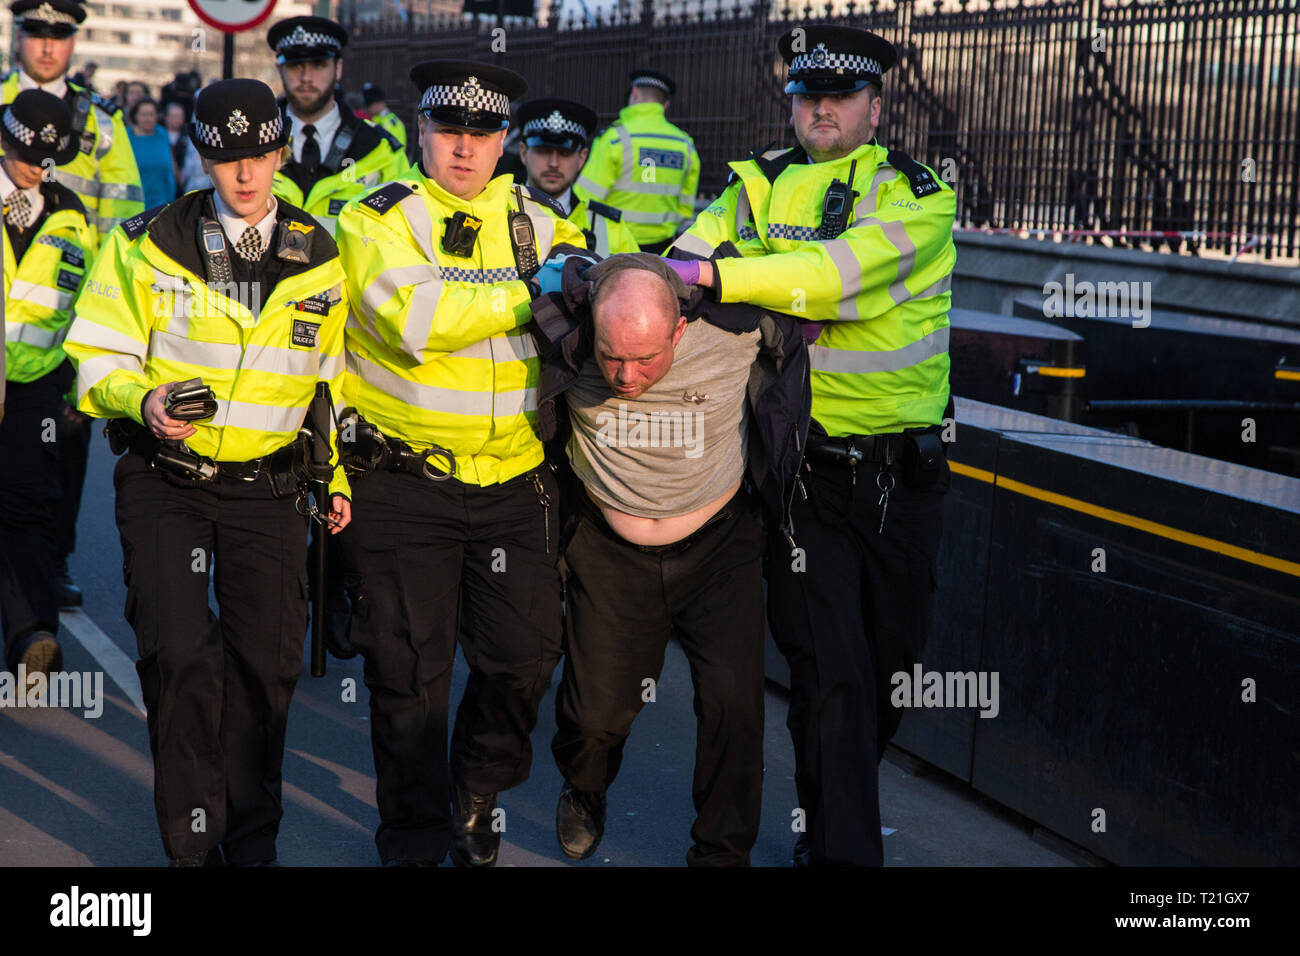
[[828, 59], [467, 93], [37, 126], [236, 118]]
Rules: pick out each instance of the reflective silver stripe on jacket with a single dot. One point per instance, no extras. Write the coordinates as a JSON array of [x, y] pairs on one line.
[[261, 418], [825, 359], [689, 242], [92, 371], [850, 269], [443, 400], [31, 334], [41, 295]]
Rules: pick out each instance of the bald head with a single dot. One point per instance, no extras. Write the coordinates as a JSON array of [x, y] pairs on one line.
[[637, 321]]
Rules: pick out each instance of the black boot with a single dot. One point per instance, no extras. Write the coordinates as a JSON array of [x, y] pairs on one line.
[[579, 822], [66, 592], [205, 858], [473, 841]]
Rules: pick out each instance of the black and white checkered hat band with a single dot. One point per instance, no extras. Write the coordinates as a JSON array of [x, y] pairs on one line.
[[47, 14], [17, 130], [301, 37], [466, 96], [555, 124], [269, 131], [841, 62], [208, 135], [650, 81]]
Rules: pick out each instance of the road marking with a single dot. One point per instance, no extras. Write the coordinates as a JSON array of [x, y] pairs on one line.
[[119, 667]]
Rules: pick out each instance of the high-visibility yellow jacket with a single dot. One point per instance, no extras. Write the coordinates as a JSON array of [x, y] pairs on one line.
[[603, 227], [146, 317], [646, 167], [361, 157], [104, 174], [437, 351], [390, 123], [880, 363], [40, 288]]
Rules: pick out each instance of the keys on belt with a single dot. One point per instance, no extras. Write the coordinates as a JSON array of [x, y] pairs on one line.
[[851, 450]]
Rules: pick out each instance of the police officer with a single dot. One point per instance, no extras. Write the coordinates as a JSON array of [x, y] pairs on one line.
[[48, 246], [554, 140], [644, 165], [104, 176], [336, 155], [858, 237], [372, 94], [244, 292], [457, 533]]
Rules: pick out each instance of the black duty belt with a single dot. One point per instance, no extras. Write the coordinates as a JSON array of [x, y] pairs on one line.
[[199, 469], [853, 450]]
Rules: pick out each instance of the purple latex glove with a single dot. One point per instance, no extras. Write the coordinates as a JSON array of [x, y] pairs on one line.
[[811, 330], [688, 272]]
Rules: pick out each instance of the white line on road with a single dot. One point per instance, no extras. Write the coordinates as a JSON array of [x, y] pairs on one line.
[[101, 647]]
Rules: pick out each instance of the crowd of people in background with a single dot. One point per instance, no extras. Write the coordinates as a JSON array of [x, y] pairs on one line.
[[169, 164]]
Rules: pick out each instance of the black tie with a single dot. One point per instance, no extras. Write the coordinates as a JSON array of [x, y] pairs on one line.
[[310, 149]]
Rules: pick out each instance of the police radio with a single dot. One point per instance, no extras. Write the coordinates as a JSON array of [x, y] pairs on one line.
[[212, 245], [523, 240], [835, 206]]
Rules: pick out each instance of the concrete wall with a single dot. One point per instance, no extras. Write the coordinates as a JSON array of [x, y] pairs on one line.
[[992, 270]]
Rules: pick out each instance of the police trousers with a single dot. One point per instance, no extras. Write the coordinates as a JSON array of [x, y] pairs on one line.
[[623, 602], [30, 487], [849, 609], [216, 688], [438, 561]]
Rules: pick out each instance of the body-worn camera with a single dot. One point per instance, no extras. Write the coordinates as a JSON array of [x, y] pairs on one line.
[[190, 401], [461, 234]]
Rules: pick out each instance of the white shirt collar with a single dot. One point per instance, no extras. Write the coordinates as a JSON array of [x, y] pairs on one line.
[[326, 127], [58, 87], [33, 195], [234, 226]]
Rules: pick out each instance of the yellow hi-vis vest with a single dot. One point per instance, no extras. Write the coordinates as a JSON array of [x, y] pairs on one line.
[[144, 319], [880, 363], [103, 174], [436, 345], [390, 123], [646, 167], [372, 157], [40, 289], [603, 227]]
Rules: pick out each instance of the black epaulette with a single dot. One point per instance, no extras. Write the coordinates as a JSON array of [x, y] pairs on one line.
[[108, 106], [539, 197], [921, 179], [137, 224], [382, 200], [609, 212]]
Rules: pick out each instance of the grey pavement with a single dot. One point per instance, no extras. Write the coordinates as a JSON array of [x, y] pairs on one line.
[[78, 791]]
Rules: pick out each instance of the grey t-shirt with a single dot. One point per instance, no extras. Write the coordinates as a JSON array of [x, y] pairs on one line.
[[678, 445]]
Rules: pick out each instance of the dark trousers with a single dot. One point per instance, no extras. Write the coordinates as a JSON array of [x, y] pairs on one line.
[[30, 453], [74, 443], [859, 611], [437, 561], [217, 689], [623, 602]]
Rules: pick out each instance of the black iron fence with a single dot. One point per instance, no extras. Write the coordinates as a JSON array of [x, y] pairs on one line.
[[1175, 123]]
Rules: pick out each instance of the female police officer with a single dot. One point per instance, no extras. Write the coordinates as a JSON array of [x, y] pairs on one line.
[[244, 292]]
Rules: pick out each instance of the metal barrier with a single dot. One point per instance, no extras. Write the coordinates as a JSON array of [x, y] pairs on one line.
[[1180, 119]]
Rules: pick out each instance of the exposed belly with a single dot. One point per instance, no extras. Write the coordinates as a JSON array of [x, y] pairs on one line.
[[658, 531]]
